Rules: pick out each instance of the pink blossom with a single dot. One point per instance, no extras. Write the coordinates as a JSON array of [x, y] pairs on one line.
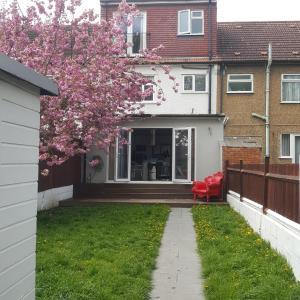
[[45, 172], [94, 163], [97, 82]]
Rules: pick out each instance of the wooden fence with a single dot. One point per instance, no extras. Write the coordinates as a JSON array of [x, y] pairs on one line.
[[66, 174], [273, 186]]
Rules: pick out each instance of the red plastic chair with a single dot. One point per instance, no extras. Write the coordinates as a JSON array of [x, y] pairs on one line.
[[210, 187]]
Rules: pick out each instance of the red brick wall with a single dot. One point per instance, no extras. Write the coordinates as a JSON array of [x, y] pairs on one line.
[[162, 29], [248, 155]]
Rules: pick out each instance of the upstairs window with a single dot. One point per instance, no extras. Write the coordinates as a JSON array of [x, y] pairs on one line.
[[190, 22], [285, 145], [194, 83], [240, 83], [290, 88], [136, 34]]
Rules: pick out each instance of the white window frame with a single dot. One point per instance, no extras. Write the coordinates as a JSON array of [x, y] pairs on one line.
[[154, 90], [240, 80], [193, 84], [286, 156], [288, 80], [189, 22], [293, 145]]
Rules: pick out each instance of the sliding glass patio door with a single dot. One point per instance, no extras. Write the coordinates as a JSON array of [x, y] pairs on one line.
[[123, 157], [182, 152]]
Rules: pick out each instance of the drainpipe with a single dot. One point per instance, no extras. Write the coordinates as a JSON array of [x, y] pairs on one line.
[[266, 117], [209, 55], [268, 74], [222, 71]]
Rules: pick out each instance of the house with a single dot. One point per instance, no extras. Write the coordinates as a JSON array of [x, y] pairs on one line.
[[20, 89], [179, 140], [243, 54]]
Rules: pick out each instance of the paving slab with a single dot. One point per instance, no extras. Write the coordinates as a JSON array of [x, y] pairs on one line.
[[178, 268]]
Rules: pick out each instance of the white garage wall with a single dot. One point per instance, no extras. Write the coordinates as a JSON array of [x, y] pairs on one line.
[[19, 139]]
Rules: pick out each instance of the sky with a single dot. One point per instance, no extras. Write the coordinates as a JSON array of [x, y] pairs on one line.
[[237, 10]]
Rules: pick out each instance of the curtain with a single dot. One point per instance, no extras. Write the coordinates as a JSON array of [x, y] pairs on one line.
[[285, 145], [291, 91]]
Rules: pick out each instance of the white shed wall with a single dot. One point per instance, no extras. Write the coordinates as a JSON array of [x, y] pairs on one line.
[[19, 139]]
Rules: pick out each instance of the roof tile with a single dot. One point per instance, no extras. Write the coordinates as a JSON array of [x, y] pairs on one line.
[[251, 40]]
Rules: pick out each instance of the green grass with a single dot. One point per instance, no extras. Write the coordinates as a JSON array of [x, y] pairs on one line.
[[237, 263], [102, 252]]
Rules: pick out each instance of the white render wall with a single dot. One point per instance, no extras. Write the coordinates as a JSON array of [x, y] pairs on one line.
[[209, 135], [51, 198], [282, 233], [19, 140], [181, 103]]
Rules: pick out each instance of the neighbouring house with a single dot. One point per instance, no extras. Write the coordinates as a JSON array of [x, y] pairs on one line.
[[20, 89], [178, 141], [243, 54]]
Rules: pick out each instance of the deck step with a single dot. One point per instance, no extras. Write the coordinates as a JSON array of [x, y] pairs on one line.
[[133, 191], [171, 202]]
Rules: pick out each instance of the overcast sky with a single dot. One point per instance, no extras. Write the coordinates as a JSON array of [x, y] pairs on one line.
[[239, 10]]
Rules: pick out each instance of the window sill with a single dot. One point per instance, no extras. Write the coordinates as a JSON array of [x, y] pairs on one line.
[[205, 92], [148, 102], [189, 34], [285, 157], [289, 102], [241, 92]]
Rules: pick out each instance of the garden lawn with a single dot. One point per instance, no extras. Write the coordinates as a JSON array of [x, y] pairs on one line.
[[102, 252], [236, 262]]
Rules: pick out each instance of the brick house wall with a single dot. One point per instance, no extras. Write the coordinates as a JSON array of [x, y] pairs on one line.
[[284, 118], [248, 155], [174, 45]]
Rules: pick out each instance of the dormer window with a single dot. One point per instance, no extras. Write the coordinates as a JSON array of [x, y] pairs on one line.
[[190, 22]]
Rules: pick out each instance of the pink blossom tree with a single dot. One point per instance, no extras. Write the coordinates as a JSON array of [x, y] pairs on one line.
[[98, 82]]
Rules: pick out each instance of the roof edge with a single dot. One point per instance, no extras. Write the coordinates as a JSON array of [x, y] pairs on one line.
[[20, 71], [153, 2]]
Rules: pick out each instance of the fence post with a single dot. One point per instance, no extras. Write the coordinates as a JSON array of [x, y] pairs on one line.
[[226, 185], [241, 180], [266, 183]]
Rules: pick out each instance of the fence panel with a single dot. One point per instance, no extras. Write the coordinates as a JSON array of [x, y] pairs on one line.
[[283, 196], [253, 186], [291, 169], [281, 185], [234, 180], [66, 174]]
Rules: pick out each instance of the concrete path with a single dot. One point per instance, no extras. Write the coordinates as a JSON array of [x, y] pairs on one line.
[[178, 270]]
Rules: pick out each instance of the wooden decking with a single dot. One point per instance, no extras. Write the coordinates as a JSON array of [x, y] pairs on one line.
[[179, 195], [134, 191]]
